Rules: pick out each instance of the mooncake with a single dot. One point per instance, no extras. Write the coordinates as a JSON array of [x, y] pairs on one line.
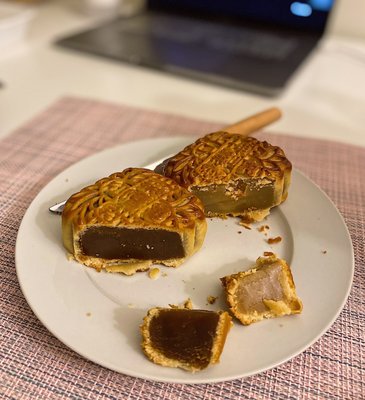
[[184, 338], [265, 291], [132, 219], [232, 174]]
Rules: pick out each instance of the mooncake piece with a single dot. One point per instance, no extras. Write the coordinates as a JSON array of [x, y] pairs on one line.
[[232, 174], [265, 291], [132, 219], [184, 338]]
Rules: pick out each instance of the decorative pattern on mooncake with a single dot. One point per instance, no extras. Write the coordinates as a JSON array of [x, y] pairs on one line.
[[131, 219], [232, 174]]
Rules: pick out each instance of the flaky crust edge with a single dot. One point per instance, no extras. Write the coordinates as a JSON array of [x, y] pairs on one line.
[[291, 305], [223, 327]]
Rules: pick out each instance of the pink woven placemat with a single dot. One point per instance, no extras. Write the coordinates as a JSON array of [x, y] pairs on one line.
[[35, 365]]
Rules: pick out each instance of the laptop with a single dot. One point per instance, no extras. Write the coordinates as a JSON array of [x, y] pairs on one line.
[[252, 45]]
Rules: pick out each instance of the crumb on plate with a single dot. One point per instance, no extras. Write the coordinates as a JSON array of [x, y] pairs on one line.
[[154, 273], [274, 240], [212, 299]]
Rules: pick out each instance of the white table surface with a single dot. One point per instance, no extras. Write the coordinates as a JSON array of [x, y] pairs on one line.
[[326, 98]]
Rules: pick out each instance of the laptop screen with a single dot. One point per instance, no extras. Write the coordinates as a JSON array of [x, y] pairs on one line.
[[308, 15]]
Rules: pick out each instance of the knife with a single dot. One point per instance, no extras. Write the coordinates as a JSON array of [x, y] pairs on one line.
[[244, 127]]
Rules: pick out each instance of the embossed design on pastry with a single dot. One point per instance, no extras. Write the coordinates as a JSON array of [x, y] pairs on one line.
[[265, 291], [184, 338], [232, 174], [132, 219]]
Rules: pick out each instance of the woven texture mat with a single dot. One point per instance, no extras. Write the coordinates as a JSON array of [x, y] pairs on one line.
[[35, 365]]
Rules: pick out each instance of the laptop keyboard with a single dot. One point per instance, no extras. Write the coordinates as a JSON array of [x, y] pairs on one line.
[[229, 39]]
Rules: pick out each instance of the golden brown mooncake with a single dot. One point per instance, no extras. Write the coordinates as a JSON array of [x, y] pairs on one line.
[[232, 174], [265, 291], [132, 219], [184, 338]]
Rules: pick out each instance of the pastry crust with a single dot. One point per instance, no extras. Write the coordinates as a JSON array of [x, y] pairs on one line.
[[273, 295], [136, 198], [241, 164], [198, 354]]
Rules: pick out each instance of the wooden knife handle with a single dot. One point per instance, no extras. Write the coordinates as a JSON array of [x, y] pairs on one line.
[[255, 122]]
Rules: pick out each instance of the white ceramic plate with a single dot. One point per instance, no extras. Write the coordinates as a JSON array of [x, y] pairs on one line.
[[98, 314]]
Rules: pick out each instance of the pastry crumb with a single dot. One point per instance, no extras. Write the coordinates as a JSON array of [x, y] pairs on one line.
[[187, 304], [245, 224], [263, 228], [131, 305], [274, 240], [239, 232], [154, 273], [268, 253], [324, 251], [88, 314], [212, 299]]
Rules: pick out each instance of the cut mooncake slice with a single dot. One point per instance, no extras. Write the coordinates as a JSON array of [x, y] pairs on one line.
[[232, 174], [132, 219], [265, 291], [184, 338]]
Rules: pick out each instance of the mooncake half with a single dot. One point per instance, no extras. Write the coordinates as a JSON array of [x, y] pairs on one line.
[[232, 174], [184, 338], [265, 291], [132, 219]]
